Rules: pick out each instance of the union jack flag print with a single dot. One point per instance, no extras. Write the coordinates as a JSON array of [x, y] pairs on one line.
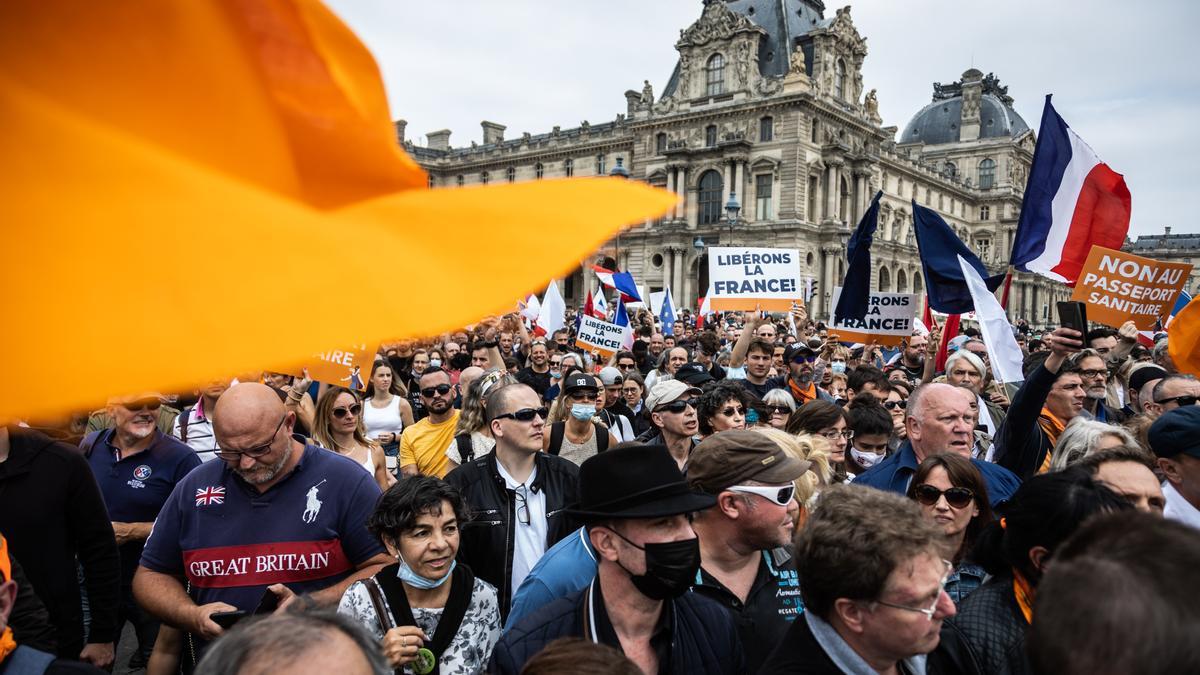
[[210, 495]]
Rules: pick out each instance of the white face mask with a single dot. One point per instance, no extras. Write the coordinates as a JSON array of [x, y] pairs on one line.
[[865, 459]]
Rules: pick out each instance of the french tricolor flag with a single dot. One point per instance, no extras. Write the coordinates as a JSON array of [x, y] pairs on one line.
[[1073, 201], [621, 281]]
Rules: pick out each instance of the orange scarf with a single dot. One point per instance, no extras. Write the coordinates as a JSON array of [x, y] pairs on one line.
[[7, 644], [802, 396], [1024, 593], [1052, 427]]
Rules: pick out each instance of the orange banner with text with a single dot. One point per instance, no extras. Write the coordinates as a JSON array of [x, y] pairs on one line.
[[1119, 287]]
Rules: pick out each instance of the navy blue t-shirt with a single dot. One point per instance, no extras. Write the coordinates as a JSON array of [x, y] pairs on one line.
[[308, 531], [136, 487]]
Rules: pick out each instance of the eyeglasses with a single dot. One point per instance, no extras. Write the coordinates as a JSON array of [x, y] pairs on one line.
[[832, 434], [1184, 400], [780, 495], [779, 410], [341, 413], [932, 609], [585, 396], [1093, 374], [440, 390], [631, 390], [957, 497], [522, 505], [892, 405], [524, 414], [677, 406], [150, 403], [731, 411], [802, 358], [253, 452], [625, 366]]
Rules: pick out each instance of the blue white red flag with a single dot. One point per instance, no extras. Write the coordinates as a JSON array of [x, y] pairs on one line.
[[667, 314], [600, 305], [1073, 201], [853, 303], [940, 249], [621, 281], [622, 319], [1146, 337]]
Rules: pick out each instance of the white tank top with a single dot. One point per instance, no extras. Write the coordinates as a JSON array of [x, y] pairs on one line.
[[382, 420]]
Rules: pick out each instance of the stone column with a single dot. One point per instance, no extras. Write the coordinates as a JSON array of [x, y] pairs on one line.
[[673, 186], [831, 192], [668, 269], [828, 271], [680, 271]]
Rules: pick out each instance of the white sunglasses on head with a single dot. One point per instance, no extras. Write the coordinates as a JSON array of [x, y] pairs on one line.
[[780, 495]]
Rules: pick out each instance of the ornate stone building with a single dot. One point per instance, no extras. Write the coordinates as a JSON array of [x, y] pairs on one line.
[[766, 107], [1177, 248]]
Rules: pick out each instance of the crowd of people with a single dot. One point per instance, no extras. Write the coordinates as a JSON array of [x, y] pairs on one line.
[[745, 493]]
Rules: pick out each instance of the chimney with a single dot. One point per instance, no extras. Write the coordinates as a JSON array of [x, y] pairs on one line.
[[1168, 230], [972, 93], [492, 133], [439, 140], [400, 126]]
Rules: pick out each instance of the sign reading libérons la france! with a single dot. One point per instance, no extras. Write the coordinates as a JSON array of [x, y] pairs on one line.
[[750, 278], [889, 319], [598, 335]]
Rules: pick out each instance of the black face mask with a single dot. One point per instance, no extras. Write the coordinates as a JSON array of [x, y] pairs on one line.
[[670, 568]]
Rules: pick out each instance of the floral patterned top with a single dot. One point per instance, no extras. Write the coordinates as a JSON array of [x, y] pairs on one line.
[[471, 647]]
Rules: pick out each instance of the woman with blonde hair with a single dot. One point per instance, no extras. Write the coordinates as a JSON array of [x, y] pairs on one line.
[[803, 447], [473, 435], [338, 426]]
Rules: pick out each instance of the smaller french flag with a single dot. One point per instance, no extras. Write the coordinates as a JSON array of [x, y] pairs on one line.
[[621, 281], [622, 319]]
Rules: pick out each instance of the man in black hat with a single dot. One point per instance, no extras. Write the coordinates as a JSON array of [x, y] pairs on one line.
[[1175, 439], [801, 380], [745, 540], [579, 436], [635, 502]]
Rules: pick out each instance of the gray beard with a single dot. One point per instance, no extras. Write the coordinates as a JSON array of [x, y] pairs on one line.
[[1097, 396]]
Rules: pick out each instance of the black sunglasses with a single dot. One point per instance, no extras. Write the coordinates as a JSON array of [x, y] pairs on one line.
[[524, 414], [892, 405], [779, 410], [677, 406], [957, 497], [1184, 400], [253, 452], [150, 403], [352, 410], [440, 390]]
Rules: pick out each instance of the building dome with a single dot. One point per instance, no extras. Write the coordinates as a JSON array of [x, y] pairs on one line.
[[941, 121]]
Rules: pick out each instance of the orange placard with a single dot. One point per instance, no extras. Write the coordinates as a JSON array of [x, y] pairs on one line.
[[348, 367], [1119, 287], [889, 320], [599, 336]]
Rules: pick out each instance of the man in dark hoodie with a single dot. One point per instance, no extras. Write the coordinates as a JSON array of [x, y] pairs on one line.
[[51, 512]]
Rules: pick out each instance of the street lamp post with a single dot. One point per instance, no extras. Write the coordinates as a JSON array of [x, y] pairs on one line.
[[732, 209], [618, 171]]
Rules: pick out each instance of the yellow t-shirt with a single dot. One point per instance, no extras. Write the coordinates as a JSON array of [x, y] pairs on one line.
[[425, 443]]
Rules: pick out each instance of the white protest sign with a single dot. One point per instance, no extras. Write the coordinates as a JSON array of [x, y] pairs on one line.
[[749, 278], [599, 336], [890, 318]]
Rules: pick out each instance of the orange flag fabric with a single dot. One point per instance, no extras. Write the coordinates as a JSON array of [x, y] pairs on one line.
[[197, 189], [1183, 339]]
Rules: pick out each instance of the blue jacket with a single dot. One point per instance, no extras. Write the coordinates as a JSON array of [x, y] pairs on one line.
[[894, 474], [569, 566]]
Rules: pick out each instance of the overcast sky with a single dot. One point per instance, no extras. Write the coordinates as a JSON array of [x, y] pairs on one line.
[[1124, 74]]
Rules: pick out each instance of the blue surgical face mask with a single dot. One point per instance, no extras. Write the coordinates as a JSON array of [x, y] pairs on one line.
[[583, 411], [838, 367], [556, 373], [435, 363], [408, 576]]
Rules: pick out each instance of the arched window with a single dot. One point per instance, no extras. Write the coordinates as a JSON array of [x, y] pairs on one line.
[[885, 280], [711, 186], [600, 165], [844, 204], [710, 135], [569, 168], [918, 283], [716, 75], [660, 143], [901, 282], [511, 174], [539, 171], [839, 79], [951, 170], [987, 174], [813, 137], [766, 129], [483, 178]]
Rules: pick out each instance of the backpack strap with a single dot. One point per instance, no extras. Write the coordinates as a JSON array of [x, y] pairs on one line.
[[466, 451], [461, 589], [185, 416], [557, 430], [89, 442], [601, 437]]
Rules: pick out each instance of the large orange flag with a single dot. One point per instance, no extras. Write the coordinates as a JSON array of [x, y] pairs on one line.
[[1183, 338], [197, 189]]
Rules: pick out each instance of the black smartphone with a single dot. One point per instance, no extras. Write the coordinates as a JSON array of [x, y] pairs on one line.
[[226, 620], [268, 604], [1073, 314]]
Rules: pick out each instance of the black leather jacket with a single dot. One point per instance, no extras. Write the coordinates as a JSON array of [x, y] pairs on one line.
[[487, 544]]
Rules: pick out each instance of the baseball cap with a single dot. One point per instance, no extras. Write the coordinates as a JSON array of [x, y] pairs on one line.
[[1142, 375], [1177, 432], [693, 373], [669, 390], [797, 349], [610, 376], [577, 381], [738, 455]]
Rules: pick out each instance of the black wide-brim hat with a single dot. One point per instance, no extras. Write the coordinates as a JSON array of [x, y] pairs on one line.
[[635, 481]]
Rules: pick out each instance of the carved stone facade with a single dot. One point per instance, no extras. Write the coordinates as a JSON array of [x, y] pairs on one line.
[[779, 122]]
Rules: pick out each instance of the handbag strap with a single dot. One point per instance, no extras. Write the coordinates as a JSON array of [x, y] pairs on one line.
[[461, 589]]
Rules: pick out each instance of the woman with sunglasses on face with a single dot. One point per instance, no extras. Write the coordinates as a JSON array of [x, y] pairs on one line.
[[953, 495], [338, 426], [723, 407], [387, 411], [779, 405], [829, 421]]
